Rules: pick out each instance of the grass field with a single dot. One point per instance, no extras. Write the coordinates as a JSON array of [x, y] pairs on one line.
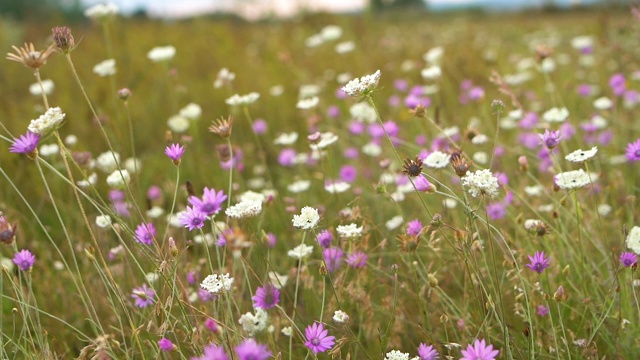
[[417, 249]]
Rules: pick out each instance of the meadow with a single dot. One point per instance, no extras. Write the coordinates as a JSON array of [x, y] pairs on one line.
[[350, 187]]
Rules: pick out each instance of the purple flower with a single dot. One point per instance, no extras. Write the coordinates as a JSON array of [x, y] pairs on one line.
[[271, 239], [116, 195], [145, 233], [628, 258], [538, 262], [144, 296], [266, 297], [479, 351], [121, 208], [348, 173], [496, 210], [356, 127], [324, 238], [25, 144], [618, 84], [550, 139], [414, 227], [357, 259], [249, 349], [154, 192], [317, 339], [422, 184], [633, 151], [192, 218], [174, 152], [260, 126], [212, 325], [333, 111], [351, 153], [542, 310], [24, 259], [211, 202], [212, 352], [287, 157], [166, 344], [427, 352], [332, 258]]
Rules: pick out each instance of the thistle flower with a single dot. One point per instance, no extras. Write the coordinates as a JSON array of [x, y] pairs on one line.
[[28, 56], [174, 152], [24, 259], [357, 259], [212, 351], [144, 296], [550, 139], [538, 262], [318, 339], [427, 352], [266, 297], [166, 345], [479, 351], [63, 39], [332, 258]]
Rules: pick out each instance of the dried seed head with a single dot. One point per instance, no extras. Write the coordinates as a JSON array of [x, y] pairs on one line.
[[63, 39], [460, 164], [412, 168], [408, 243], [222, 127], [7, 231], [29, 57], [542, 52], [419, 111], [124, 94], [560, 295]]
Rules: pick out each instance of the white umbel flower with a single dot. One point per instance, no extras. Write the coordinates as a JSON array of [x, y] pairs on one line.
[[602, 103], [105, 68], [437, 160], [253, 323], [556, 115], [47, 122], [240, 100], [278, 281], [349, 231], [191, 111], [308, 218], [633, 240], [118, 179], [108, 161], [299, 186], [574, 179], [244, 209], [103, 221], [582, 155], [396, 355], [300, 252], [363, 112], [363, 85], [431, 73], [216, 284], [36, 89], [340, 317], [178, 123], [326, 139], [481, 182], [308, 103], [434, 55], [286, 138], [224, 77], [331, 32], [100, 11], [345, 47], [161, 53], [394, 222], [337, 187]]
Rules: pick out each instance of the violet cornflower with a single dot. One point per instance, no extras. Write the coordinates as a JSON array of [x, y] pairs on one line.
[[191, 218], [174, 152], [427, 352], [538, 262], [249, 349], [357, 259], [266, 297], [422, 184], [542, 310], [24, 259], [479, 351], [324, 238], [145, 233], [318, 339], [550, 139], [212, 351], [144, 296], [628, 259], [414, 227], [332, 258], [26, 144], [166, 344], [633, 151], [211, 201]]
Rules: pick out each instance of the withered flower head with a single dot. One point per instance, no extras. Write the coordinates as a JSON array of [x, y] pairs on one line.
[[7, 231], [223, 152], [419, 111], [82, 158], [63, 39], [460, 164], [469, 134], [543, 51], [29, 57], [222, 127], [408, 243], [413, 167]]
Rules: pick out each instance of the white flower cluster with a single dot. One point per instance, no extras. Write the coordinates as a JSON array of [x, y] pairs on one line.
[[299, 186], [100, 11], [108, 161], [326, 139], [337, 187], [238, 100], [278, 281], [396, 355], [224, 77], [574, 179], [47, 85], [308, 103], [363, 112], [191, 111], [118, 179], [103, 221], [582, 155], [349, 231], [301, 251], [363, 85], [481, 182], [105, 68], [244, 209], [161, 53], [437, 160], [340, 317], [217, 283], [633, 240], [286, 138], [253, 323], [178, 123], [47, 122], [308, 218], [556, 115]]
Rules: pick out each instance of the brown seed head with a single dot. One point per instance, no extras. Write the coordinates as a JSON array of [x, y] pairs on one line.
[[222, 127], [29, 57], [460, 164], [63, 39], [7, 231], [560, 295], [419, 111], [542, 52], [413, 167], [408, 243]]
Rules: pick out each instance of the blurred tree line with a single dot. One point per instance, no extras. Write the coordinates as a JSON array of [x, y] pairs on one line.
[[37, 9]]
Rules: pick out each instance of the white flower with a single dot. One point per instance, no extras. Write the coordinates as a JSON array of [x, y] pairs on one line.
[[91, 180], [224, 77], [602, 103], [449, 203], [396, 355], [573, 179], [36, 90], [47, 122], [604, 209], [244, 209], [582, 42], [481, 182], [286, 138], [556, 115], [132, 165], [207, 239], [286, 331], [152, 277], [118, 179], [480, 157], [251, 196], [103, 221], [238, 100], [253, 323], [191, 111], [308, 103], [105, 68], [349, 231], [437, 160], [337, 187], [340, 317], [278, 281], [362, 86], [300, 252], [299, 186], [161, 53], [345, 47], [100, 11], [582, 155], [479, 139], [532, 224], [71, 140], [633, 240], [363, 112], [49, 150], [548, 65], [326, 139], [155, 212], [307, 219], [394, 222], [331, 32], [434, 55], [397, 196], [7, 264], [108, 161], [314, 41], [372, 149], [308, 90], [276, 90], [431, 73], [535, 190], [178, 123], [217, 283]]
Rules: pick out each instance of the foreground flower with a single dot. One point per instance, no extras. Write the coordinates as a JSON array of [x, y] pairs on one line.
[[633, 239], [24, 259], [249, 349], [573, 179], [633, 151], [362, 86], [244, 209], [307, 219], [317, 339], [144, 296], [628, 259], [191, 218], [427, 352], [550, 139], [211, 201], [217, 283], [349, 231], [481, 182], [396, 355], [479, 351], [582, 155], [253, 323], [26, 144], [29, 56], [166, 345], [145, 233], [340, 317], [266, 297], [212, 352], [47, 122], [538, 262], [174, 152]]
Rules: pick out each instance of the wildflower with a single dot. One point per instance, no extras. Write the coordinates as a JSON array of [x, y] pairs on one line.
[[422, 184], [427, 352], [336, 187], [479, 351], [7, 231], [145, 233], [211, 201], [29, 57], [105, 68], [217, 283], [222, 127], [212, 325], [482, 182], [332, 258], [560, 294], [252, 323], [47, 122], [250, 350], [340, 317], [573, 179], [166, 345], [178, 123], [300, 252], [26, 144], [318, 339], [363, 85], [192, 218], [266, 297], [24, 259], [550, 139], [414, 227], [101, 11], [324, 141], [460, 164], [63, 39], [161, 53], [191, 111], [633, 151], [542, 310], [242, 100], [633, 239], [144, 296], [103, 221], [556, 115], [174, 152], [412, 168], [307, 219], [224, 77], [349, 231], [45, 86], [118, 179], [628, 259], [582, 155], [212, 352], [363, 112], [357, 259], [308, 103], [538, 262], [286, 138]]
